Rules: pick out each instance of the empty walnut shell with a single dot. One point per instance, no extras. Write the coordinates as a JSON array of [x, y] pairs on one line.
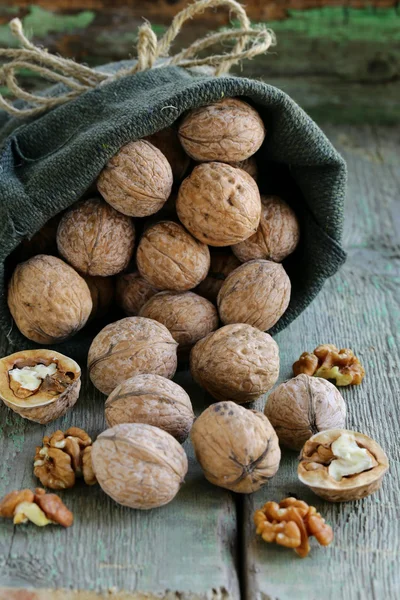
[[236, 362], [137, 181], [132, 292], [102, 293], [277, 235], [229, 130], [303, 406], [186, 315], [138, 465], [222, 263], [129, 347], [48, 300], [153, 400], [96, 239], [257, 293], [45, 399], [167, 141], [237, 448], [169, 258], [219, 205], [315, 459]]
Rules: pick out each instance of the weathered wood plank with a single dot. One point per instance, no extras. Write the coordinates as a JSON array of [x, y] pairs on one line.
[[358, 308]]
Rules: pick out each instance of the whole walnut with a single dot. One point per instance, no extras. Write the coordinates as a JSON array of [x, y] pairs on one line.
[[229, 130], [237, 448], [139, 465], [169, 258], [102, 293], [237, 362], [137, 181], [153, 400], [222, 263], [249, 165], [48, 300], [303, 406], [167, 141], [130, 347], [219, 204], [277, 235], [96, 239], [186, 315], [257, 293], [132, 292]]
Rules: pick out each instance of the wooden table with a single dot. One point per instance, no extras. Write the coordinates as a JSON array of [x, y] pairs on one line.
[[203, 544]]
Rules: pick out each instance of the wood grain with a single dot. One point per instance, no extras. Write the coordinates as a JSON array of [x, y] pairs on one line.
[[358, 308]]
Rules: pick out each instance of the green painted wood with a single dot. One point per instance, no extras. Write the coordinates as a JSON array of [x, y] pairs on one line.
[[358, 308]]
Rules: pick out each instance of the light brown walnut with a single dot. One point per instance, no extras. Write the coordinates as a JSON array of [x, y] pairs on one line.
[[219, 204], [96, 239], [132, 292], [237, 448], [48, 300], [137, 181], [169, 258], [167, 141], [229, 130], [129, 347], [222, 263], [139, 465], [303, 406], [102, 293], [236, 362], [153, 400], [329, 362], [186, 315], [257, 293], [277, 235]]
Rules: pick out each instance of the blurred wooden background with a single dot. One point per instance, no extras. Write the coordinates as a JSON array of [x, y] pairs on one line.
[[339, 59]]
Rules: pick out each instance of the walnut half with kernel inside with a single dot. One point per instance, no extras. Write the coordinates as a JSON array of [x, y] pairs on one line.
[[39, 385]]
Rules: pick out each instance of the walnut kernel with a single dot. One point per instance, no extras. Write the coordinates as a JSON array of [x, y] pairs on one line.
[[40, 508], [329, 362]]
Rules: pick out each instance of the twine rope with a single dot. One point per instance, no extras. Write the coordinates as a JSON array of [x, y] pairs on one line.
[[250, 42]]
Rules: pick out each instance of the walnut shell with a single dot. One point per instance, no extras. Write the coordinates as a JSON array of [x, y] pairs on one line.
[[132, 292], [257, 293], [167, 141], [219, 205], [169, 258], [130, 347], [138, 465], [237, 448], [102, 293], [55, 394], [277, 235], [222, 263], [249, 165], [48, 300], [303, 406], [153, 400], [96, 239], [353, 487], [186, 315], [236, 362], [229, 130], [137, 181]]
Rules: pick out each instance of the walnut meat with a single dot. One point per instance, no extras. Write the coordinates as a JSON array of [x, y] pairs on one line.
[[303, 406], [186, 315], [329, 362], [48, 300], [132, 292], [341, 465], [229, 130], [236, 448], [222, 263], [102, 293], [153, 400], [39, 385], [96, 239], [167, 141], [139, 465], [129, 347], [236, 362], [39, 508], [257, 293], [277, 235], [169, 258], [137, 181], [219, 204]]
